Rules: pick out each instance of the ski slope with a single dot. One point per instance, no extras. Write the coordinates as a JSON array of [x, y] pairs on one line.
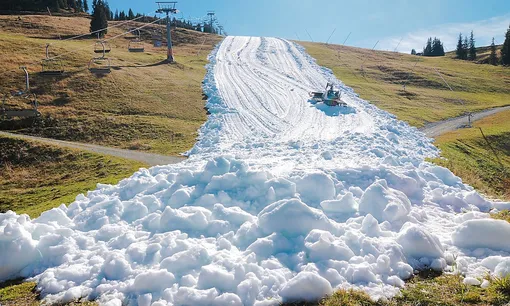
[[280, 200]]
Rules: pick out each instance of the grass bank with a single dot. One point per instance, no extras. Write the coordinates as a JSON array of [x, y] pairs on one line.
[[36, 177], [484, 163]]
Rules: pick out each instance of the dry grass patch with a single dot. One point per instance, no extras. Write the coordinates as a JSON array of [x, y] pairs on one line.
[[142, 95]]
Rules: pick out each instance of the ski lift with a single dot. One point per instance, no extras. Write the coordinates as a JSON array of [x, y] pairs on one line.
[[136, 45], [102, 47], [100, 65], [26, 95], [51, 66]]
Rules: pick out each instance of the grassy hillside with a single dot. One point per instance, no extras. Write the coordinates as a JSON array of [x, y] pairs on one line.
[[482, 54], [143, 104], [470, 156], [36, 177], [426, 98]]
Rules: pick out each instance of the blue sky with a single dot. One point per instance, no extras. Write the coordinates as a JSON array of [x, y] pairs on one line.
[[369, 20]]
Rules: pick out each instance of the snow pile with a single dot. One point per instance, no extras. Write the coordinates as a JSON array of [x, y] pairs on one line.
[[279, 201]]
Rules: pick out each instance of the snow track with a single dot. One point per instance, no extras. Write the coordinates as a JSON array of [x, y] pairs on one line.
[[279, 200], [267, 81]]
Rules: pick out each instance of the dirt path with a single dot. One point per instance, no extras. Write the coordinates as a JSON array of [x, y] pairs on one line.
[[437, 128], [148, 158]]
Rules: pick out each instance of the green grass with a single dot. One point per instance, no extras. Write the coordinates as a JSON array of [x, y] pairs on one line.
[[143, 104], [502, 215], [17, 292], [427, 288], [469, 156], [426, 98], [37, 177]]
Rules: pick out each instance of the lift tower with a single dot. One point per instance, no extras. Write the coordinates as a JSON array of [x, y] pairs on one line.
[[211, 14], [168, 8]]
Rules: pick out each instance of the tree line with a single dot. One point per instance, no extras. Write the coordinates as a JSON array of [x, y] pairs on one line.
[[466, 49], [505, 51], [434, 47], [43, 5], [101, 14]]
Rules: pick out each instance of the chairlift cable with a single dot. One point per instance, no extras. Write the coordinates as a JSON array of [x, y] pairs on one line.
[[110, 27]]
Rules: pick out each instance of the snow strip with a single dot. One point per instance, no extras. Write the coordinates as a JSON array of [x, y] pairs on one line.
[[280, 200]]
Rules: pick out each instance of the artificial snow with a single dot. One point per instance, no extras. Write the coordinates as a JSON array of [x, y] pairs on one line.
[[280, 200]]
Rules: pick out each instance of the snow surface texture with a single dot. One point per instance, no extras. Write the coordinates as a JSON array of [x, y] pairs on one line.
[[279, 200]]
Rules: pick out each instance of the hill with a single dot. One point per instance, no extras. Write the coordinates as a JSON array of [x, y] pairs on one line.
[[482, 54], [378, 76], [427, 98], [143, 104]]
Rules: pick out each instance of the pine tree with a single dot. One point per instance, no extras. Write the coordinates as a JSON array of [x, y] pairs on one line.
[[79, 4], [427, 51], [116, 16], [85, 6], [413, 52], [99, 18], [465, 47], [472, 48], [505, 51], [493, 58], [459, 51], [131, 15], [56, 5]]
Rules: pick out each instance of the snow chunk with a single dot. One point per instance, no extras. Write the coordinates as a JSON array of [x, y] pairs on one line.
[[153, 281], [345, 204], [471, 281], [316, 187], [291, 217], [483, 233], [418, 243], [322, 245], [306, 286], [384, 203]]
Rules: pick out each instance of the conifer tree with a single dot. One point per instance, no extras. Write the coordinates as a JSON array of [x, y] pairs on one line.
[[99, 18], [437, 48], [493, 58], [427, 51], [505, 51], [131, 15], [459, 51], [85, 6], [465, 47], [413, 52], [79, 7], [472, 48]]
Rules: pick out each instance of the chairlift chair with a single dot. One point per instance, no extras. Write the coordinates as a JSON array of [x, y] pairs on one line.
[[100, 65], [6, 113], [136, 45], [51, 66], [102, 47]]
